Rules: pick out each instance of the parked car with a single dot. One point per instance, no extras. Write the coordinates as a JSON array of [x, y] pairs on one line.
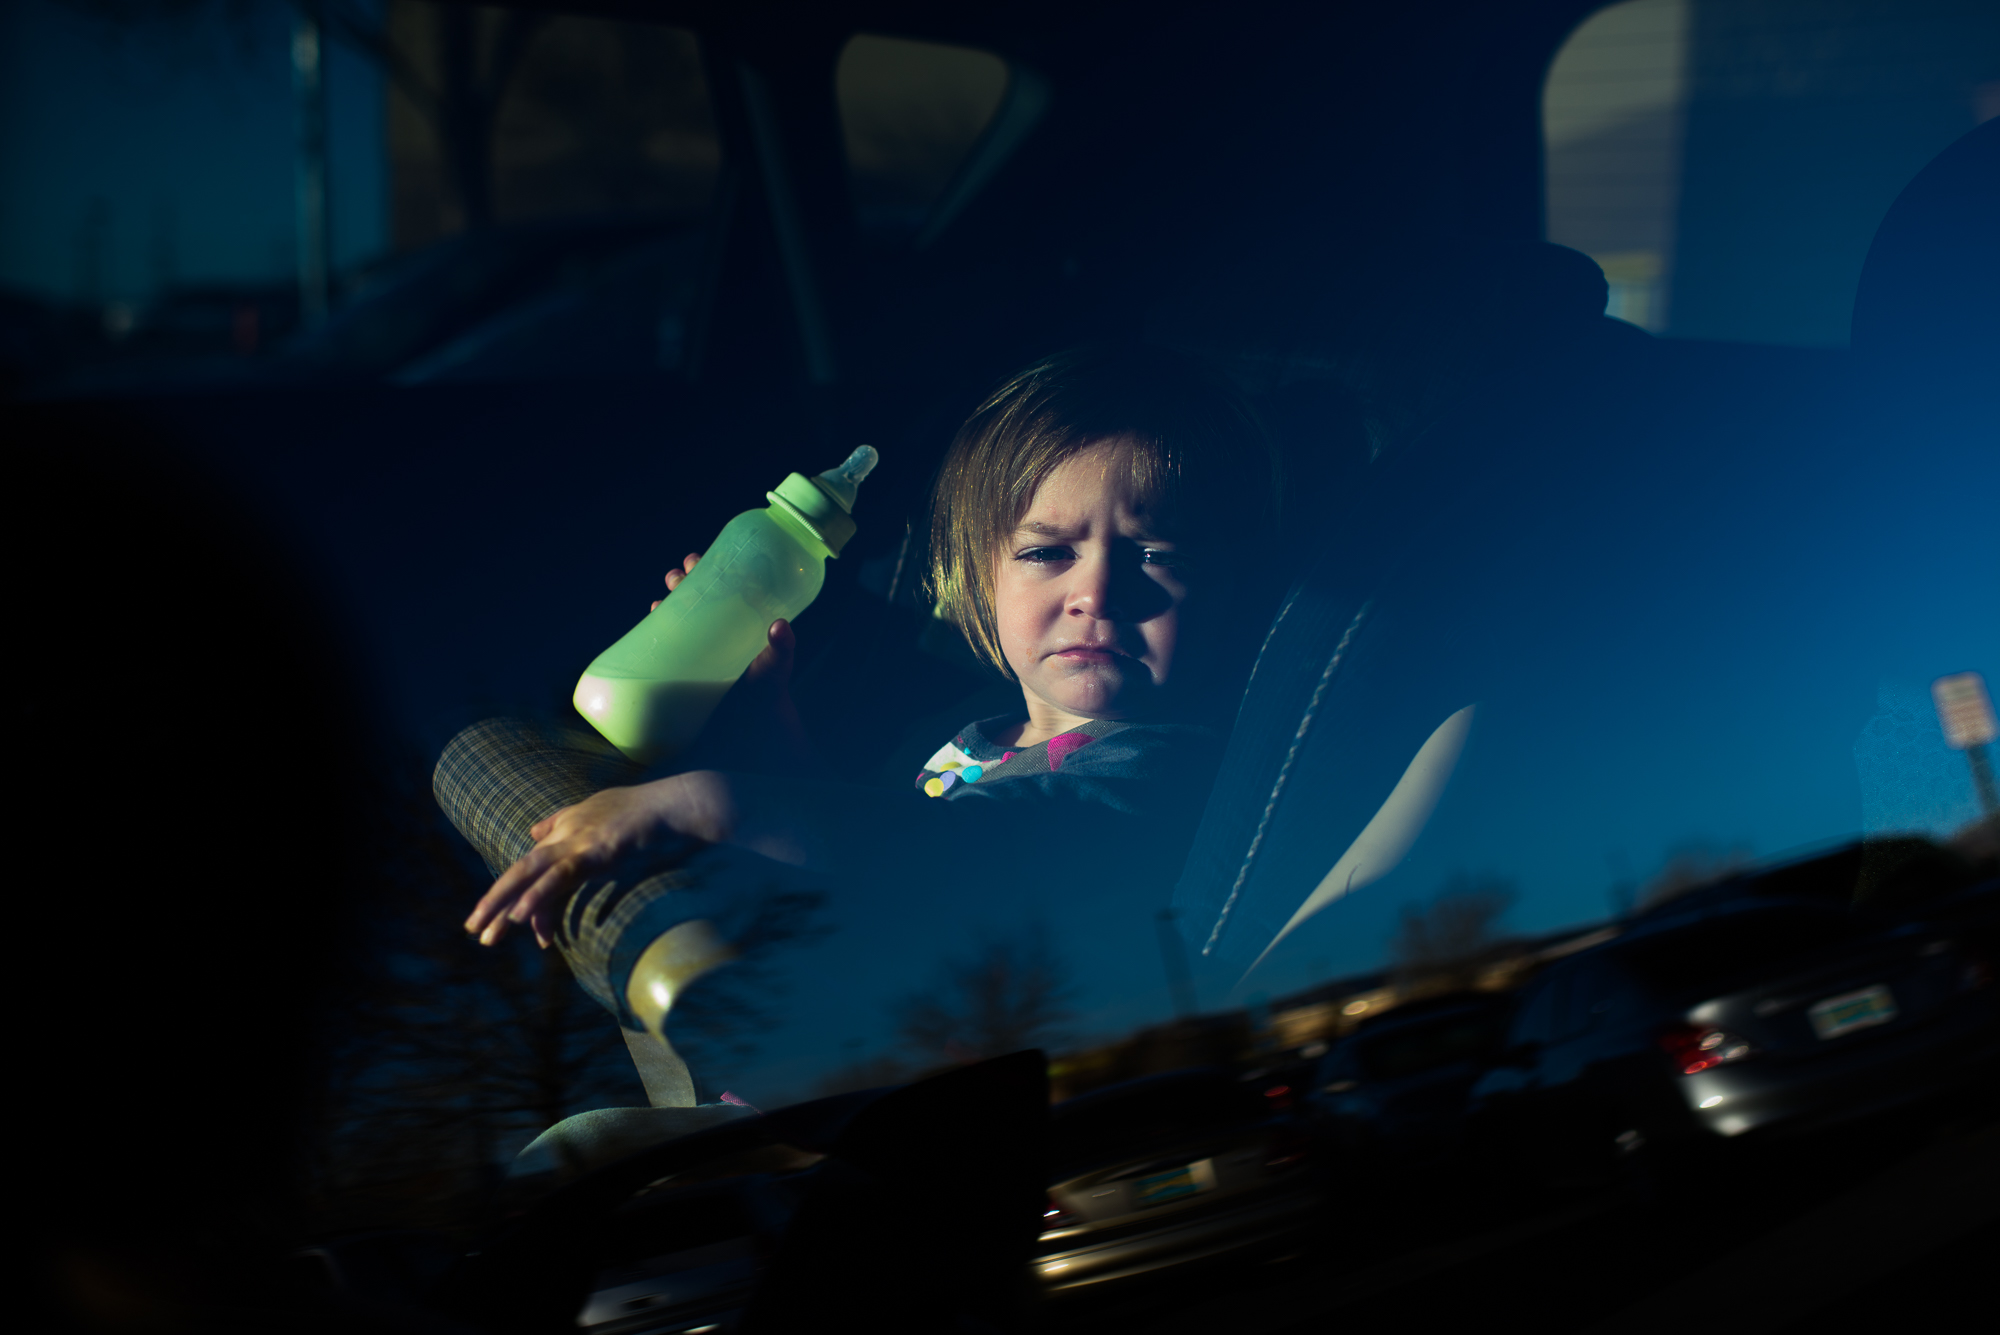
[[1391, 1097], [1147, 1175], [688, 1259], [1749, 1017], [1169, 1170], [773, 1218], [1906, 877]]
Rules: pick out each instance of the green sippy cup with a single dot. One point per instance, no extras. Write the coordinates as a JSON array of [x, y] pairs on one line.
[[651, 692]]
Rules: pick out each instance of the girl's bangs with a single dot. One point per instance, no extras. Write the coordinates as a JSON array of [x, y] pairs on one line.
[[1149, 462]]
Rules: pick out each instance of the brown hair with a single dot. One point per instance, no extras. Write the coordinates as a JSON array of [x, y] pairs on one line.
[[1194, 437]]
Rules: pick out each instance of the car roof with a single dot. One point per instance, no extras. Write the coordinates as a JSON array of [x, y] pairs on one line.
[[1704, 914], [1192, 1077], [1431, 1008]]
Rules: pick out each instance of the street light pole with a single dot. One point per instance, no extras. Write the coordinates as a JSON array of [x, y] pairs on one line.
[[1965, 713], [1982, 779]]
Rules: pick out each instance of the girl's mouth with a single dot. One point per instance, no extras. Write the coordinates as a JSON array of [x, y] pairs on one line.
[[1094, 655]]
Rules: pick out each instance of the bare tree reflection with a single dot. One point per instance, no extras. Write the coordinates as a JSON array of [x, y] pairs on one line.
[[719, 1021], [1010, 993], [451, 1055], [1690, 869], [1446, 944]]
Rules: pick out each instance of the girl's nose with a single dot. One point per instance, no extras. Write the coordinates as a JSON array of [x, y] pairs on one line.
[[1108, 588], [1090, 588]]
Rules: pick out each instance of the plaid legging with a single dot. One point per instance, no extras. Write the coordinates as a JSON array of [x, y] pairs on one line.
[[498, 778]]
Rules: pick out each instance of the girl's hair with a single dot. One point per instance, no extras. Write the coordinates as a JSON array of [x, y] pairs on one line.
[[1198, 453]]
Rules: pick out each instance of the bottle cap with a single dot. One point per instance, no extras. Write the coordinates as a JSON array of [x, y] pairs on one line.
[[823, 504]]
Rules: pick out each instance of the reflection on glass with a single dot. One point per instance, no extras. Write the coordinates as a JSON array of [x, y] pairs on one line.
[[1727, 164], [583, 116], [1612, 111], [910, 113]]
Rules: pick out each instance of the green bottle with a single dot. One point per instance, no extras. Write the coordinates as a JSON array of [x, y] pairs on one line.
[[650, 693]]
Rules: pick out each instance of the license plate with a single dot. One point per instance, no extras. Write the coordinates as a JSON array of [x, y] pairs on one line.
[[1172, 1185], [1852, 1010]]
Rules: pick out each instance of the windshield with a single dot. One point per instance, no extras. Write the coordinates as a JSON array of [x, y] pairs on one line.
[[676, 563]]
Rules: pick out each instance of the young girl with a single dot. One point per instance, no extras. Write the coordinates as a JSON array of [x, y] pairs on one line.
[[1101, 533]]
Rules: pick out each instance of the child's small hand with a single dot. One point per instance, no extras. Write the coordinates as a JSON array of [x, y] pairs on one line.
[[756, 727], [771, 669], [591, 837], [676, 575]]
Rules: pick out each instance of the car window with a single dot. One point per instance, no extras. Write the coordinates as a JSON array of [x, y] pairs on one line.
[[593, 117], [1343, 1063], [1565, 621], [1570, 1002], [575, 250], [1612, 112], [1581, 995], [1606, 994], [1122, 1121], [1414, 1048], [910, 114], [1535, 1021], [1514, 682], [1736, 947], [1727, 163]]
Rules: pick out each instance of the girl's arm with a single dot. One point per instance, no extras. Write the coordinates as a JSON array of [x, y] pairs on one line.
[[830, 828], [665, 818], [817, 826]]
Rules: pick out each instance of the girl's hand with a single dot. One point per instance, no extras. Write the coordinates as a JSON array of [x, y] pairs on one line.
[[676, 575], [589, 838], [771, 670]]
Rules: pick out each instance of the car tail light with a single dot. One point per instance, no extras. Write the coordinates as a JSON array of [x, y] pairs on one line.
[[1289, 1148], [1279, 1096], [1695, 1048], [1055, 1216]]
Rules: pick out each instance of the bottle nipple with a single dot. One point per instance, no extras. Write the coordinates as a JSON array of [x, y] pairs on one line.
[[825, 504], [841, 483]]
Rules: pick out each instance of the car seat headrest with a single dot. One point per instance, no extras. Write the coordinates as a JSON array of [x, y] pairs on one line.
[[1931, 283]]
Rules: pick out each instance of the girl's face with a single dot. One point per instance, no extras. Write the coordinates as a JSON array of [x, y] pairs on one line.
[[1087, 594]]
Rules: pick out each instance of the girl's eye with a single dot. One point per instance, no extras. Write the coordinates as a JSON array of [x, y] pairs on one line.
[[1152, 556], [1044, 554]]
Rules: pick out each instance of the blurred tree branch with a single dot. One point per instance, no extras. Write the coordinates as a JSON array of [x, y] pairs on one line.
[[449, 1055], [1445, 943], [1690, 869], [1010, 994]]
